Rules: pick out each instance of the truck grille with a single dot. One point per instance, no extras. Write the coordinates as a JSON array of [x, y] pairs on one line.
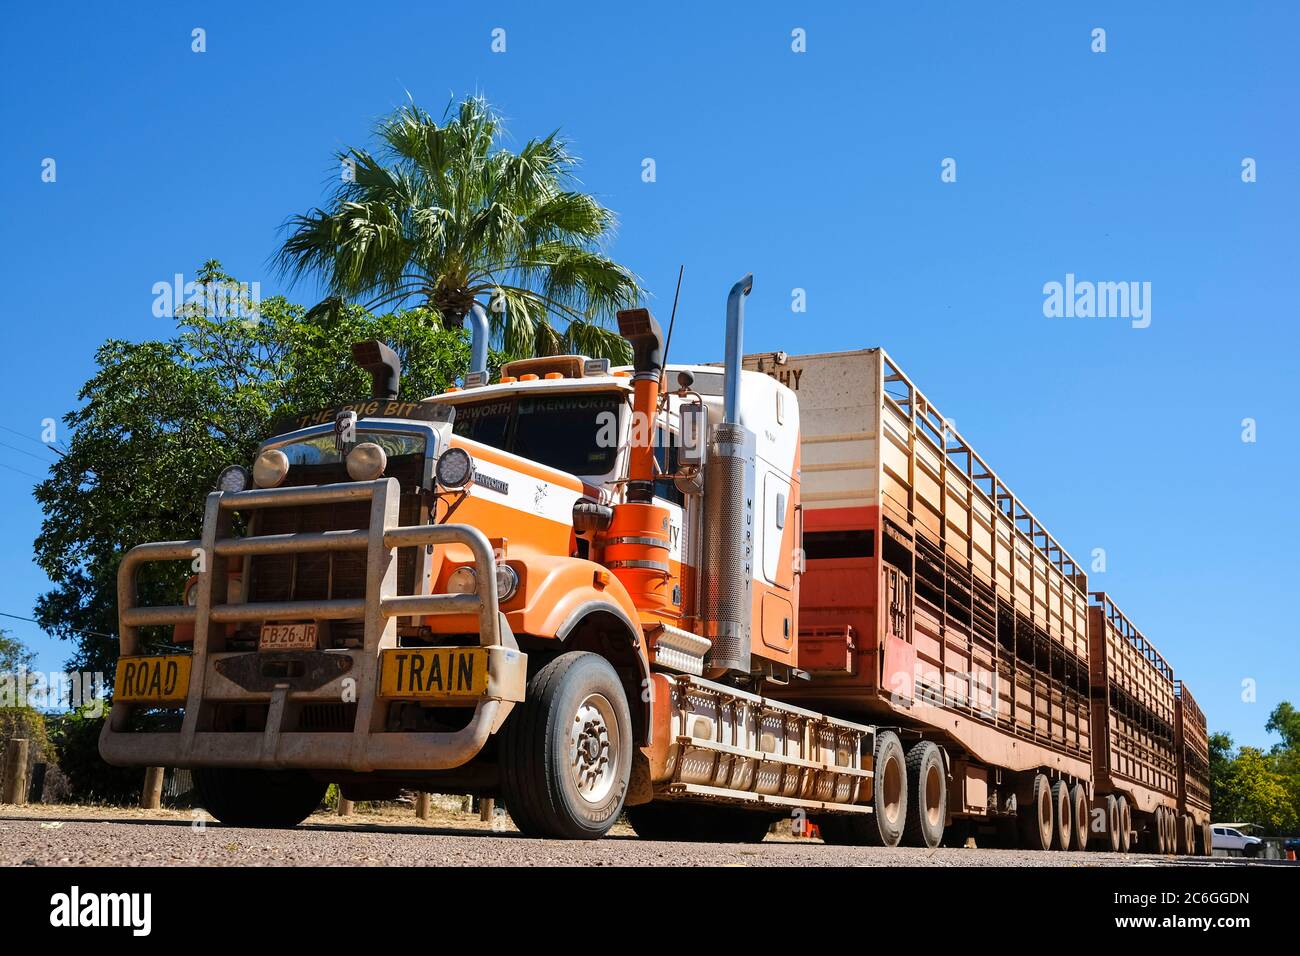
[[276, 578]]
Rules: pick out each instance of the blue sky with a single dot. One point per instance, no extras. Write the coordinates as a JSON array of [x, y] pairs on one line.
[[817, 170]]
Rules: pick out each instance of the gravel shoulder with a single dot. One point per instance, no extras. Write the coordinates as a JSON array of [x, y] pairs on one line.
[[110, 836]]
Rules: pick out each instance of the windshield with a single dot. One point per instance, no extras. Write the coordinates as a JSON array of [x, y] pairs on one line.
[[561, 431], [320, 449]]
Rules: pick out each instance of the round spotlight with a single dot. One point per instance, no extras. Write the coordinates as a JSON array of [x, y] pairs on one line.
[[233, 478], [455, 468], [507, 582], [366, 461], [462, 581], [270, 468]]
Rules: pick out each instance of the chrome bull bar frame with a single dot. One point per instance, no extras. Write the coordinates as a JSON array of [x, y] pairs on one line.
[[368, 747]]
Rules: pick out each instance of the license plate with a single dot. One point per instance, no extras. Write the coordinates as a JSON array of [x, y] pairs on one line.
[[287, 637], [434, 672], [154, 680]]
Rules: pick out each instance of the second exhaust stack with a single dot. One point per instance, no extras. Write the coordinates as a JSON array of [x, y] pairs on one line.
[[727, 591]]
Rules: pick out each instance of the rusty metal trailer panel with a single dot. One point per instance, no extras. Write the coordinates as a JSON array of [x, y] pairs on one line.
[[1193, 755], [1132, 710], [931, 595]]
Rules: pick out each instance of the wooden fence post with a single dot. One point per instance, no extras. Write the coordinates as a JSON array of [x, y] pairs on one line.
[[345, 806], [15, 788], [151, 794], [422, 805], [486, 807]]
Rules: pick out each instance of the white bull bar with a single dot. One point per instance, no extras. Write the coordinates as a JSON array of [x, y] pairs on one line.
[[369, 746]]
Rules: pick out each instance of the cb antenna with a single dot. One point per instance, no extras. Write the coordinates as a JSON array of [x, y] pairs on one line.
[[672, 319]]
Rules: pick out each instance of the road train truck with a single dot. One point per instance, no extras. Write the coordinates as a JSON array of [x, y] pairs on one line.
[[703, 596]]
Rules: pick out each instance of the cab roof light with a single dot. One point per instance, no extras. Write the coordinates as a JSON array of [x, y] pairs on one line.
[[597, 366], [476, 379], [569, 366]]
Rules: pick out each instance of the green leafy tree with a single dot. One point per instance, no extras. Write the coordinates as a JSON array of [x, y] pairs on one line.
[[1285, 722], [17, 718], [443, 215], [1251, 785], [159, 419]]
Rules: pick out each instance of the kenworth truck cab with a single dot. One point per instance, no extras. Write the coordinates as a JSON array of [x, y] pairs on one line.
[[569, 588]]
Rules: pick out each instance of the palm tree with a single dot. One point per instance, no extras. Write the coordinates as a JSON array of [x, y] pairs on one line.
[[445, 216]]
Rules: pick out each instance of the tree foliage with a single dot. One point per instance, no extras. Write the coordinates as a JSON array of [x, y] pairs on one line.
[[1251, 785], [159, 419], [443, 215]]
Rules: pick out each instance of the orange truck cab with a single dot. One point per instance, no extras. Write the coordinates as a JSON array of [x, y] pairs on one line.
[[567, 588]]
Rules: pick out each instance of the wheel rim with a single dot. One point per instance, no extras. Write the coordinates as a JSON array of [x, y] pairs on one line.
[[933, 784], [892, 790], [594, 748]]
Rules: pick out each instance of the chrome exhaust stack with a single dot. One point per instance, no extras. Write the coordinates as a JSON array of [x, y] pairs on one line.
[[727, 582], [478, 341]]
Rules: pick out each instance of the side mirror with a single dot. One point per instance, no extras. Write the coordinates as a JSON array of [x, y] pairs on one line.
[[693, 432]]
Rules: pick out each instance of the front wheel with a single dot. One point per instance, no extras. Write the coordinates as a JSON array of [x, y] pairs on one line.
[[566, 751], [240, 797]]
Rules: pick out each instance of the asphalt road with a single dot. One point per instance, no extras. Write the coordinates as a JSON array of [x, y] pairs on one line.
[[89, 838]]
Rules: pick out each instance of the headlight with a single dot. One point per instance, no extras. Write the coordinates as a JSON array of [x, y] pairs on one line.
[[192, 593], [233, 478], [366, 461], [270, 468], [462, 581], [507, 582], [455, 468]]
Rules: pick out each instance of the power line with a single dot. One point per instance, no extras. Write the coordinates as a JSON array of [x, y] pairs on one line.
[[23, 451], [50, 445], [21, 472], [32, 620]]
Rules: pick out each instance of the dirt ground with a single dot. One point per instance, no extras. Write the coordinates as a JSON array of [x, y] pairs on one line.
[[66, 835]]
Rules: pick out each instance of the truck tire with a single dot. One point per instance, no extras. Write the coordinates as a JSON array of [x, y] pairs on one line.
[[240, 797], [1155, 835], [698, 823], [1186, 836], [927, 786], [884, 825], [1079, 817], [1036, 817], [566, 751], [1113, 824], [1125, 825], [1061, 815], [1206, 845]]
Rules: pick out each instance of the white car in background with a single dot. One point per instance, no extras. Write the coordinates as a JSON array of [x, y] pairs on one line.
[[1231, 840]]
